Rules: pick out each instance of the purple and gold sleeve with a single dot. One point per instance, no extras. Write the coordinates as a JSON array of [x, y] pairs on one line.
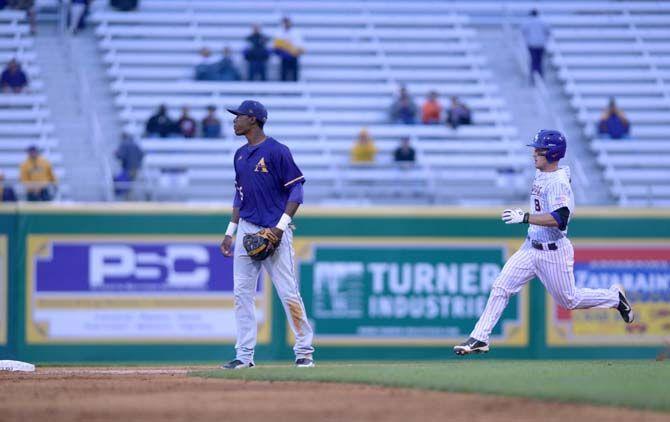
[[290, 173]]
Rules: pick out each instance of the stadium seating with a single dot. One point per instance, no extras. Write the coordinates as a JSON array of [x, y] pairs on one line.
[[24, 117], [357, 56], [621, 51]]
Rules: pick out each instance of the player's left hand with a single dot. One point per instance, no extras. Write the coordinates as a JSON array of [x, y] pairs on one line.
[[516, 216]]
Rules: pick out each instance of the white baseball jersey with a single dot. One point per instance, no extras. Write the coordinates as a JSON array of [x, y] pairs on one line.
[[551, 191], [553, 266]]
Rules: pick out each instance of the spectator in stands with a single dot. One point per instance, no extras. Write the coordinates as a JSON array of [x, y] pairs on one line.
[[82, 21], [288, 45], [364, 149], [211, 125], [257, 55], [227, 69], [404, 154], [37, 176], [77, 9], [130, 155], [536, 34], [403, 109], [124, 5], [27, 6], [13, 78], [431, 110], [160, 124], [209, 67], [7, 192], [186, 124], [458, 113], [613, 122]]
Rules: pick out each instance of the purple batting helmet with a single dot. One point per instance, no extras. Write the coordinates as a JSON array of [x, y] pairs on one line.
[[551, 140]]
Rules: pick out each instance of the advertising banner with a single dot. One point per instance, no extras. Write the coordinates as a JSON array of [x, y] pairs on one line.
[[644, 271], [395, 291], [132, 289], [4, 277]]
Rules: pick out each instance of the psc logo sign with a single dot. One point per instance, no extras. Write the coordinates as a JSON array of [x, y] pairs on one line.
[[180, 266], [129, 265]]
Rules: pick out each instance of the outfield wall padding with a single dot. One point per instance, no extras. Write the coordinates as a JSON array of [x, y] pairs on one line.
[[146, 282]]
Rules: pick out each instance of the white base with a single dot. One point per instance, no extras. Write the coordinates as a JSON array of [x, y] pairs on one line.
[[16, 366]]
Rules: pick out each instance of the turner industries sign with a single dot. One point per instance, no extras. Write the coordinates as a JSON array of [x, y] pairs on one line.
[[403, 292]]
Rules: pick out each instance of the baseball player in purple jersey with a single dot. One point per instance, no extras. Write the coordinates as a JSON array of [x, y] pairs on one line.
[[547, 253], [268, 193]]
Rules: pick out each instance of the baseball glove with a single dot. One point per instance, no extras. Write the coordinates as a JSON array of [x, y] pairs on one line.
[[260, 245]]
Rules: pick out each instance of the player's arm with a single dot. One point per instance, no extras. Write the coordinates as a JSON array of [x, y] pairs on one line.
[[292, 179], [295, 198], [558, 218], [227, 244]]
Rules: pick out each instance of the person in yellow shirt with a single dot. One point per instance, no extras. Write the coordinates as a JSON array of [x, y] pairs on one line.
[[289, 46], [364, 149], [37, 176]]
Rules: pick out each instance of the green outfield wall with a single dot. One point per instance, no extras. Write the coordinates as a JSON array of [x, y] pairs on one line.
[[114, 282]]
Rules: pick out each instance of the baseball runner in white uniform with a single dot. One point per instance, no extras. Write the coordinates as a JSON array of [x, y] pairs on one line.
[[547, 253]]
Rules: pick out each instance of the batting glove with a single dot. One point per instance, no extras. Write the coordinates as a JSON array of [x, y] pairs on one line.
[[516, 216]]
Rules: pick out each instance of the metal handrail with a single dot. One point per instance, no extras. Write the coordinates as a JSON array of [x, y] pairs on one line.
[[96, 137], [542, 97]]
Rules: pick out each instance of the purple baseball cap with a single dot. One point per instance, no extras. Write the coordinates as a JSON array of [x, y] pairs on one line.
[[251, 108]]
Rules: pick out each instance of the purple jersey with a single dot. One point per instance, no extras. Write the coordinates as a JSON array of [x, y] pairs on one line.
[[264, 176]]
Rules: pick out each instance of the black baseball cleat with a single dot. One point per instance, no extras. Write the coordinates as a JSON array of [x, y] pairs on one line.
[[624, 307], [237, 364], [304, 363], [471, 345]]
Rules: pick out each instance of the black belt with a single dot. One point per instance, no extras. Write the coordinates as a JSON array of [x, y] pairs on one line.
[[543, 246]]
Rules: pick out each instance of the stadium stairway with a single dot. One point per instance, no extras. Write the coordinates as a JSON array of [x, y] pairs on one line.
[[70, 63], [530, 112]]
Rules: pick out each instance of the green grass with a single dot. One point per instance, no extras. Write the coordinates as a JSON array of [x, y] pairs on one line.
[[635, 384]]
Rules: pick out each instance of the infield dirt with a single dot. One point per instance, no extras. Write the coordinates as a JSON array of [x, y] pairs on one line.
[[169, 394]]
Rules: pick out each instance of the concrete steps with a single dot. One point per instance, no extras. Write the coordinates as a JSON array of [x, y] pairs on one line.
[[71, 68], [530, 113]]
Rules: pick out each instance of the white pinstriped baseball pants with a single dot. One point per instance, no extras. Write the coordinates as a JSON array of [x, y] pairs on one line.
[[555, 271]]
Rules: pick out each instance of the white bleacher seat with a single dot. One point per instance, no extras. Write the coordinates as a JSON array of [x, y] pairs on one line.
[[25, 129], [21, 56], [634, 160], [626, 103], [601, 61], [606, 47], [630, 146], [16, 158], [639, 117], [354, 63], [19, 144], [611, 74], [23, 114], [15, 43], [631, 88]]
